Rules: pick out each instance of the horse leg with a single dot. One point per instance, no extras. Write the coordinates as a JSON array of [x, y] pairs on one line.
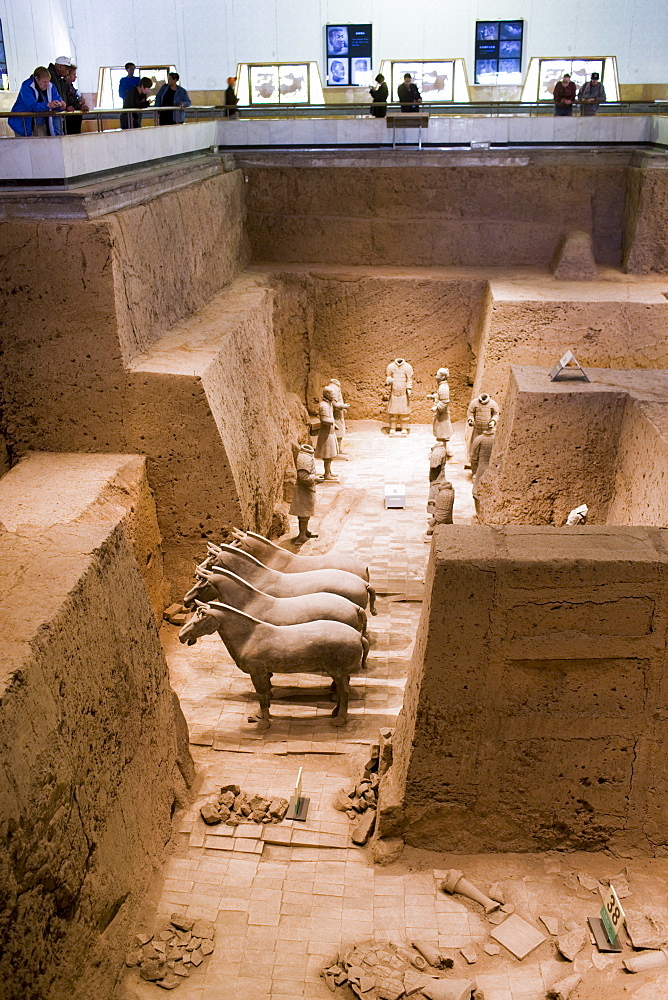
[[262, 684], [340, 713], [372, 599]]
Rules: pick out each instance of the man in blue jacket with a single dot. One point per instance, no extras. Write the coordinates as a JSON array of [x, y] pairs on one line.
[[129, 81], [171, 95], [38, 93]]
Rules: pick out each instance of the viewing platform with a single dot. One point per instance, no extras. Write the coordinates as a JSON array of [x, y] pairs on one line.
[[62, 160]]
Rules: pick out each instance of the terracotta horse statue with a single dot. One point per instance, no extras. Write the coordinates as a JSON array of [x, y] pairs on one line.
[[287, 562], [277, 584], [260, 649], [222, 585]]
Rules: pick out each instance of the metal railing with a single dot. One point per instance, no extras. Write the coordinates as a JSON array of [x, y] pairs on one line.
[[110, 118]]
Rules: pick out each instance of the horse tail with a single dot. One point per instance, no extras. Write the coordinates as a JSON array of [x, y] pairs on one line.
[[365, 651], [372, 599], [361, 618]]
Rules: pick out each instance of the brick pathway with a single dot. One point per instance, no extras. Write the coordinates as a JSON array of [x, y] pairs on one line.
[[285, 899]]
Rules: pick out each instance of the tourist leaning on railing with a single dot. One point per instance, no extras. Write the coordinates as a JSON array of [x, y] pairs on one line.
[[37, 93], [172, 95]]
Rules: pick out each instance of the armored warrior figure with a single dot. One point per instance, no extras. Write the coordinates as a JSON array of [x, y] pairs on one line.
[[399, 377], [443, 506], [303, 500], [442, 426], [481, 410], [325, 446], [339, 408], [481, 452]]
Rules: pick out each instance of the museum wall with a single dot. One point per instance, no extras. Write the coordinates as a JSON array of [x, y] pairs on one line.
[[532, 718], [86, 715], [472, 215], [207, 39], [350, 323]]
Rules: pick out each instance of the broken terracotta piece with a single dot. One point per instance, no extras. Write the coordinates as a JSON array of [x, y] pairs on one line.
[[563, 989], [455, 882], [647, 960], [646, 930], [469, 954], [433, 956], [496, 892], [551, 923], [572, 943], [449, 989]]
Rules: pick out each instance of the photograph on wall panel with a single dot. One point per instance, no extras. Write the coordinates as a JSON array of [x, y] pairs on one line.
[[434, 79]]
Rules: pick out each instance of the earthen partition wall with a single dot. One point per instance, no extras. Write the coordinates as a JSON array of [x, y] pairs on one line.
[[563, 443], [534, 714], [101, 357], [509, 209], [93, 746]]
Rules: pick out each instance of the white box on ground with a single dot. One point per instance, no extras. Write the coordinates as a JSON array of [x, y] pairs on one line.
[[395, 495]]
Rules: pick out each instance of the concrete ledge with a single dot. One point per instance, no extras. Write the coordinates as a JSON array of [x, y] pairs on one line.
[[64, 158]]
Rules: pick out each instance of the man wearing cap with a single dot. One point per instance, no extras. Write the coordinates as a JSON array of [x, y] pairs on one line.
[[59, 72], [591, 95]]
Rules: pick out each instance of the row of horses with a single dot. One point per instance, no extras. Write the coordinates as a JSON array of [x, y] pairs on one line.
[[277, 612]]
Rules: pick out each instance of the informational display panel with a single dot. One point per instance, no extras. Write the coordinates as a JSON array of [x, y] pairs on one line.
[[279, 83], [498, 52], [553, 70], [348, 51], [544, 71], [434, 80]]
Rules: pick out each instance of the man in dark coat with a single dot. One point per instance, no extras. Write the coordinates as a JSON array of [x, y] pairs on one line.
[[564, 96], [59, 71], [136, 98], [408, 94]]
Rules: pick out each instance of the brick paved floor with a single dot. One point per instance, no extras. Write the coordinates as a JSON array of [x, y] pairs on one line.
[[285, 899]]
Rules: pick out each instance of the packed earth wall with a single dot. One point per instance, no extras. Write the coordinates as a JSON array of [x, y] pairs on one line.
[[94, 756], [533, 717]]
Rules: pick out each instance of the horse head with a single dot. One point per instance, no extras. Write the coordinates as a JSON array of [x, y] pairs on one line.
[[203, 622]]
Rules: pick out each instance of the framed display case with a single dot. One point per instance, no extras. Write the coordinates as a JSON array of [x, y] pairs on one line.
[[348, 54], [438, 80], [279, 83], [545, 71], [109, 77], [498, 52]]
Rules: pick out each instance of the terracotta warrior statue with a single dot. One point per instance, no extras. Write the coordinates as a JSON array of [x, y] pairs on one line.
[[481, 452], [437, 459], [339, 408], [325, 446], [443, 506], [399, 377], [442, 426], [303, 500], [481, 410]]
